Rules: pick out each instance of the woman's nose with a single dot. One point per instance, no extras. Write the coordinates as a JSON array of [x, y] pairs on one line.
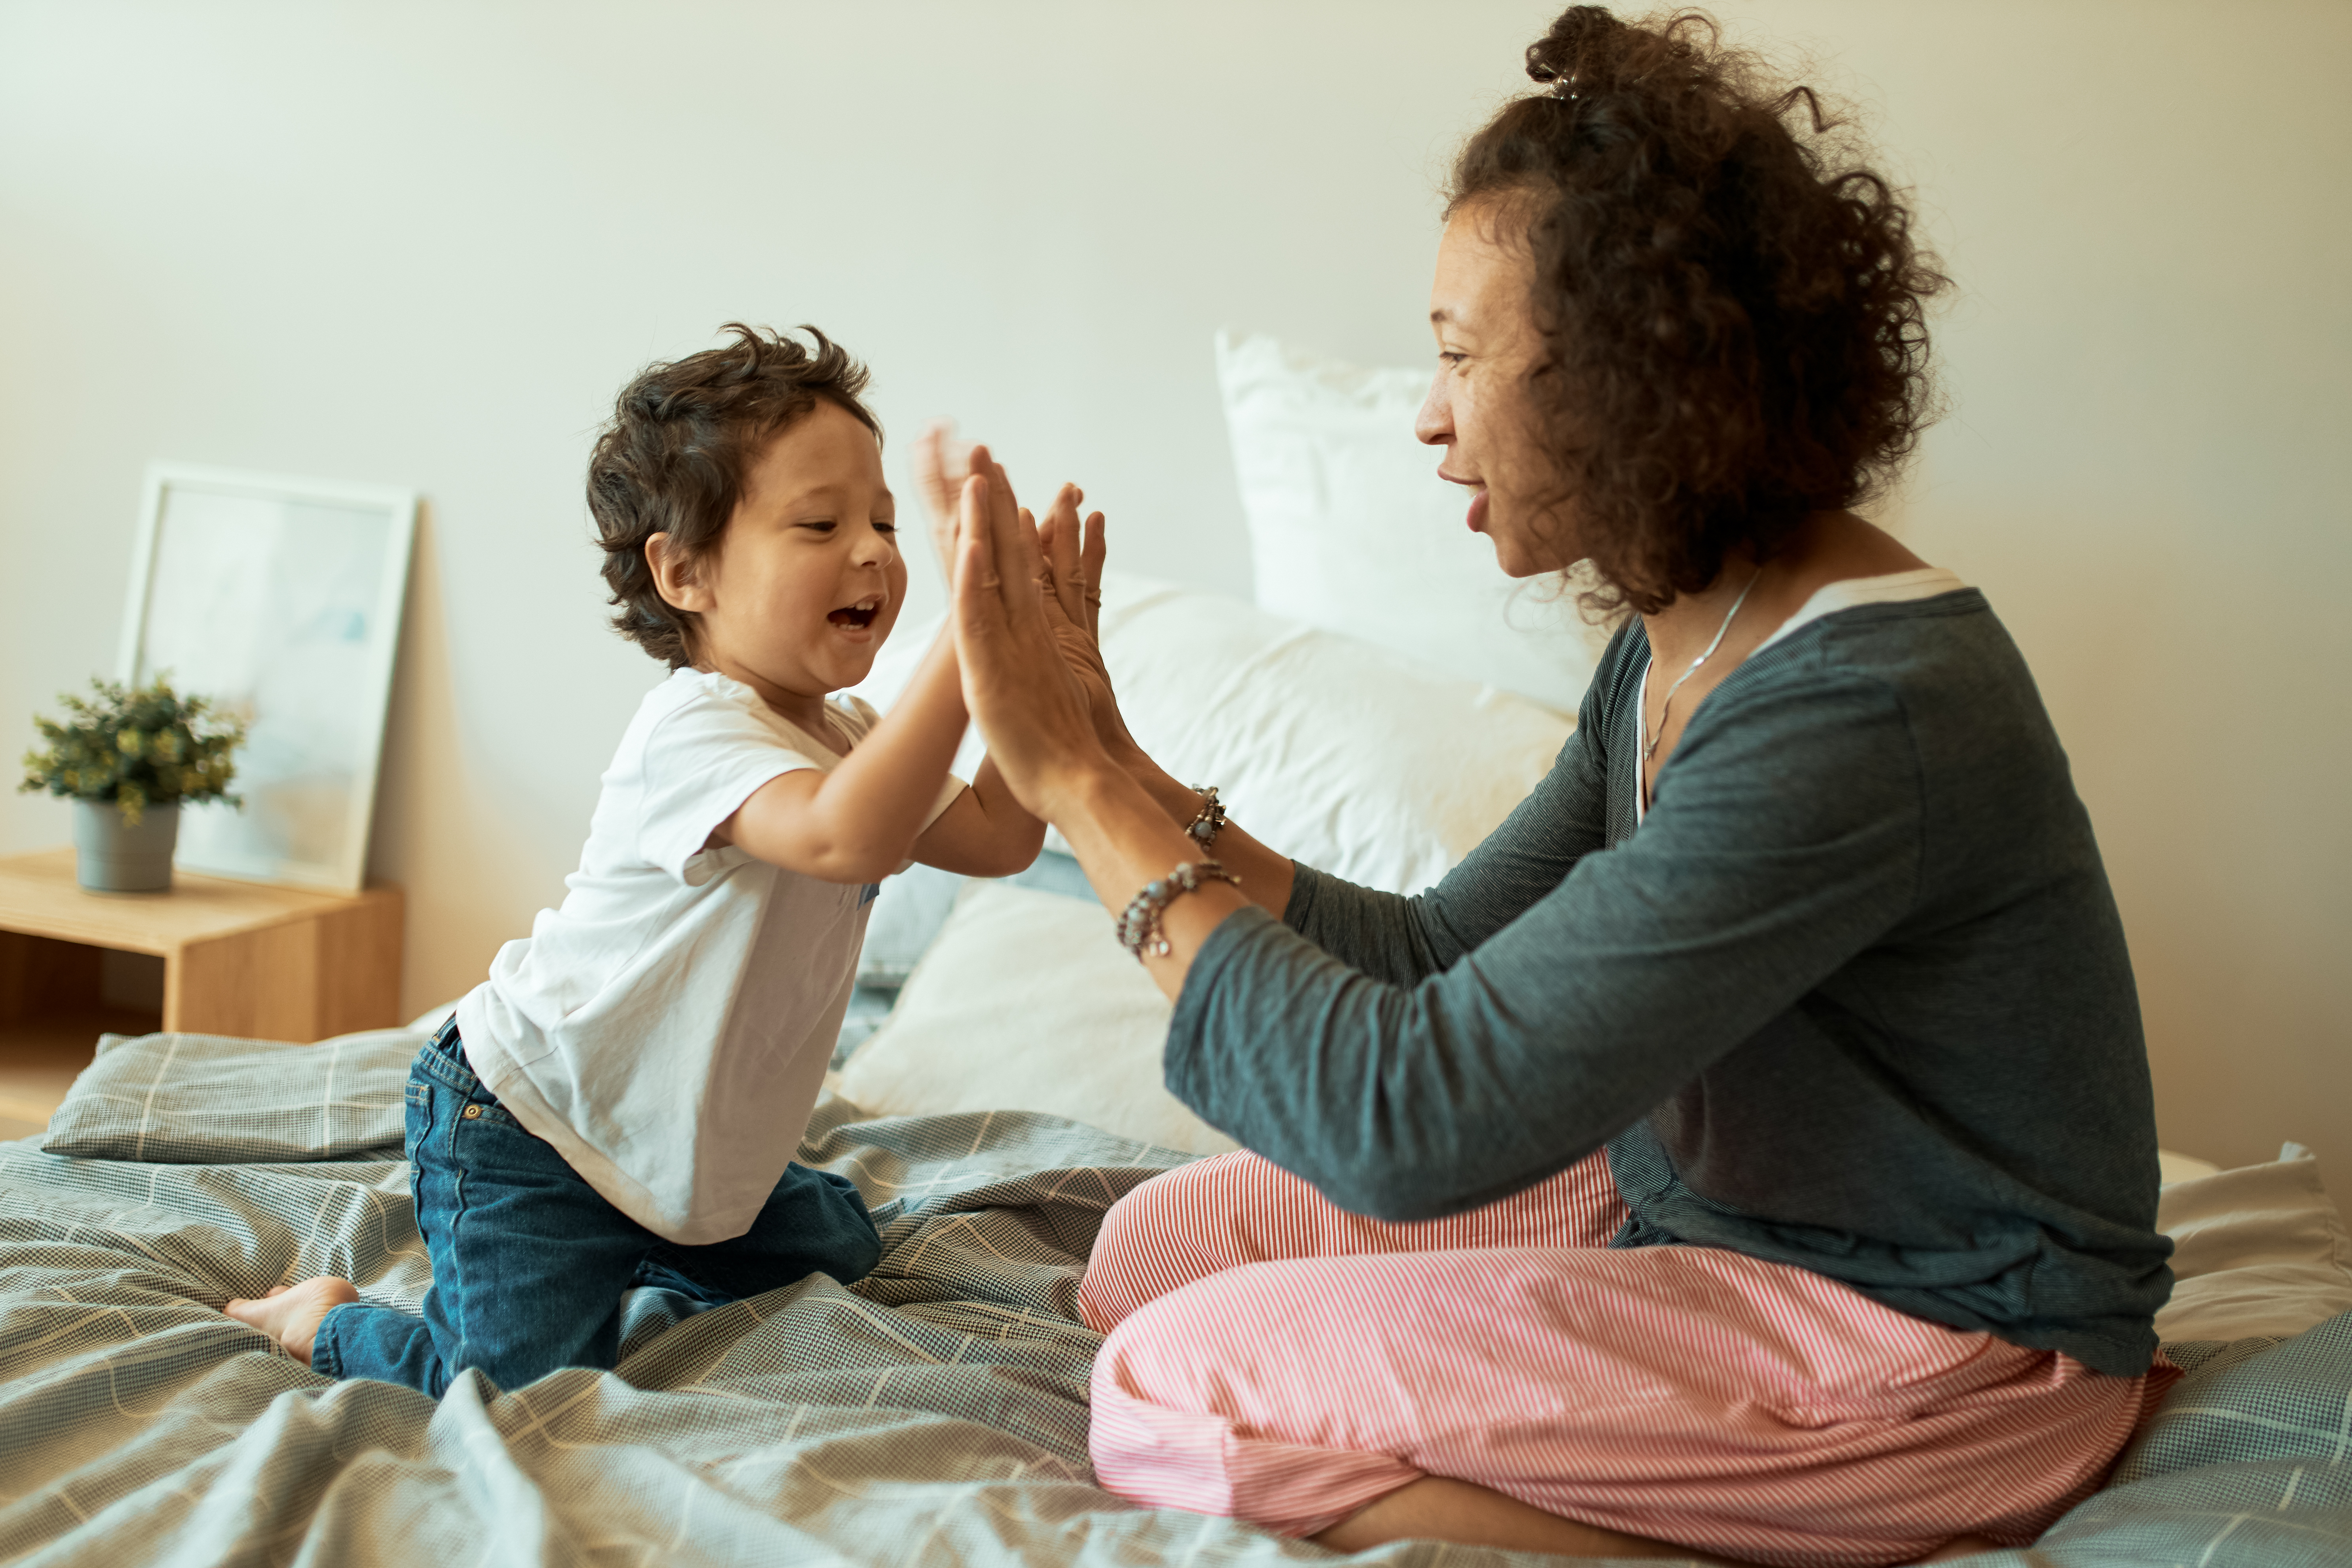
[[1435, 422]]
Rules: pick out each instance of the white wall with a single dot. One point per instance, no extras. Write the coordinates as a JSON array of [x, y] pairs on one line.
[[425, 244]]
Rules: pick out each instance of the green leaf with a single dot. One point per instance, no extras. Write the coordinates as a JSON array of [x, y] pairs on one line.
[[137, 746]]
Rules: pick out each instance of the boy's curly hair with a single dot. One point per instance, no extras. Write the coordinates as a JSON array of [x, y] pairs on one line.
[[1731, 300], [672, 460]]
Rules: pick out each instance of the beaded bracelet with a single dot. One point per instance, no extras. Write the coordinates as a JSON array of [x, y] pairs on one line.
[[1203, 828], [1139, 923]]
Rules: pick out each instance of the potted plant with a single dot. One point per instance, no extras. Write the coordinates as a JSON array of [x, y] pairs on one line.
[[127, 759]]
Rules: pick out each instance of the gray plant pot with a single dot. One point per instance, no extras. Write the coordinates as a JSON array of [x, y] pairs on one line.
[[114, 858]]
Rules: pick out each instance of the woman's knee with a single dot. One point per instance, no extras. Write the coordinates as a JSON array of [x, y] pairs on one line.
[[1122, 1267], [1171, 1230], [1194, 1408], [1161, 1351], [1226, 1344]]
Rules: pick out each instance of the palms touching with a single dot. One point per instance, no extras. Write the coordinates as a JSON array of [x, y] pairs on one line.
[[1068, 555], [1032, 674]]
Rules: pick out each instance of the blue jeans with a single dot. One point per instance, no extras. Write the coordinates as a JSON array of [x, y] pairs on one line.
[[529, 1262]]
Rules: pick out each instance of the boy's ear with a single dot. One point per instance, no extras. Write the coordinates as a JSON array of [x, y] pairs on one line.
[[675, 578]]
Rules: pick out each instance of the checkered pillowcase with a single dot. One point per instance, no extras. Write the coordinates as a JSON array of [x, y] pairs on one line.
[[206, 1100]]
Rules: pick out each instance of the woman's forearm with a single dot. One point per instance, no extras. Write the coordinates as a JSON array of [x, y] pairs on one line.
[[1266, 873], [1123, 838]]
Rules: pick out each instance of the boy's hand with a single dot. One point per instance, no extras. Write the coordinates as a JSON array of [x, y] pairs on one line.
[[942, 466]]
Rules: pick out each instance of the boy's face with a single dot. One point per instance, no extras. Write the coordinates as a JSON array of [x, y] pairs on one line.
[[807, 580]]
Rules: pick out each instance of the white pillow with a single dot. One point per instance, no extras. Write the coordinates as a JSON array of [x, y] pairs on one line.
[[1377, 768], [1355, 761], [2257, 1250], [1352, 531], [906, 917], [1026, 1002]]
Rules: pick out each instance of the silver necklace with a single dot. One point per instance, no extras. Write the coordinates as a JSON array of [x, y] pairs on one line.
[[1650, 741]]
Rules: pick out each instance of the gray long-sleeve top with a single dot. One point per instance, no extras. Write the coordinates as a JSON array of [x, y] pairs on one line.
[[1854, 997]]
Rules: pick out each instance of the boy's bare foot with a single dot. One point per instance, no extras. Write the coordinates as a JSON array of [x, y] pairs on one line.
[[291, 1313]]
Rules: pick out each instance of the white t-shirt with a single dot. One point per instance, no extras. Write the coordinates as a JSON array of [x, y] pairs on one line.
[[668, 1028]]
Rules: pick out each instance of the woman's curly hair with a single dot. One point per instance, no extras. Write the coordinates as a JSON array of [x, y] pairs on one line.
[[1732, 304], [673, 458]]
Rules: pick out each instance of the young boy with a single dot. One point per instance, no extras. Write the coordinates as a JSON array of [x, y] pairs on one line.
[[617, 1104]]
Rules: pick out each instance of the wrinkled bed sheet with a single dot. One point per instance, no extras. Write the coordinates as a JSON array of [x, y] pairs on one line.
[[935, 1413]]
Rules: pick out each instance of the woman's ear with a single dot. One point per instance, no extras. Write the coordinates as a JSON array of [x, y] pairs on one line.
[[675, 577]]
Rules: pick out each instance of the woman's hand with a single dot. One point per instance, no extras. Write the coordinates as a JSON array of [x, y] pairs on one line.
[[1025, 657], [1072, 591], [1034, 711], [1071, 584]]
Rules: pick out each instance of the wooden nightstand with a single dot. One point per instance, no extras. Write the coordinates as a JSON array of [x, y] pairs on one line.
[[240, 958]]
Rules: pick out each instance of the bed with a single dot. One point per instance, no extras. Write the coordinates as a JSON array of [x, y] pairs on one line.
[[932, 1412], [998, 1089]]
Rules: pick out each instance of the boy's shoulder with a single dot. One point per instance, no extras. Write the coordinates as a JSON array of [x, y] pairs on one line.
[[704, 693], [696, 709], [688, 687], [704, 700]]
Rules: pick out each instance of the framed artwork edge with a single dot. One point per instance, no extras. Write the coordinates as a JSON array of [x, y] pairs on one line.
[[349, 875]]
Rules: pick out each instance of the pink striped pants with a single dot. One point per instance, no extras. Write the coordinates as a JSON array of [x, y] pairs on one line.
[[1276, 1359]]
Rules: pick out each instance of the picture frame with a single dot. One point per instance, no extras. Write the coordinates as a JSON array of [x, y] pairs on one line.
[[280, 599]]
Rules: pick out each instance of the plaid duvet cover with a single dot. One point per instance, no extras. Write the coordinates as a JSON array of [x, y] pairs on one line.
[[935, 1413]]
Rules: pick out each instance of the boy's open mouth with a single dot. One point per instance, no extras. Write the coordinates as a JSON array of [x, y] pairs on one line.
[[859, 615]]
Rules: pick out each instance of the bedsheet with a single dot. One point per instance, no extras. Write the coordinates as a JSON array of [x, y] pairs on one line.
[[934, 1412]]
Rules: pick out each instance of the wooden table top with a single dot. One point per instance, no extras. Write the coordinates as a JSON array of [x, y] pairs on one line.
[[39, 896]]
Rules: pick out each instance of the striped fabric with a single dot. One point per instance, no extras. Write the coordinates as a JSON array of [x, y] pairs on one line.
[[1276, 1360], [1235, 1209]]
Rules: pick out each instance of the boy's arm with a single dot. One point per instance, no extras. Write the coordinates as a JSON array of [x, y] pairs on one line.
[[857, 823], [983, 832]]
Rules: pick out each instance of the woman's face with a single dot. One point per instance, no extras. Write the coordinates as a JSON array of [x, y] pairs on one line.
[[1479, 408]]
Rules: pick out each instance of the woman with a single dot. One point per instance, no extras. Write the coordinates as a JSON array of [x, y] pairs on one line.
[[1748, 1148]]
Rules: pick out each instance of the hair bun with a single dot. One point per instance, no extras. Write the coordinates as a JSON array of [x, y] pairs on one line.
[[1578, 50]]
